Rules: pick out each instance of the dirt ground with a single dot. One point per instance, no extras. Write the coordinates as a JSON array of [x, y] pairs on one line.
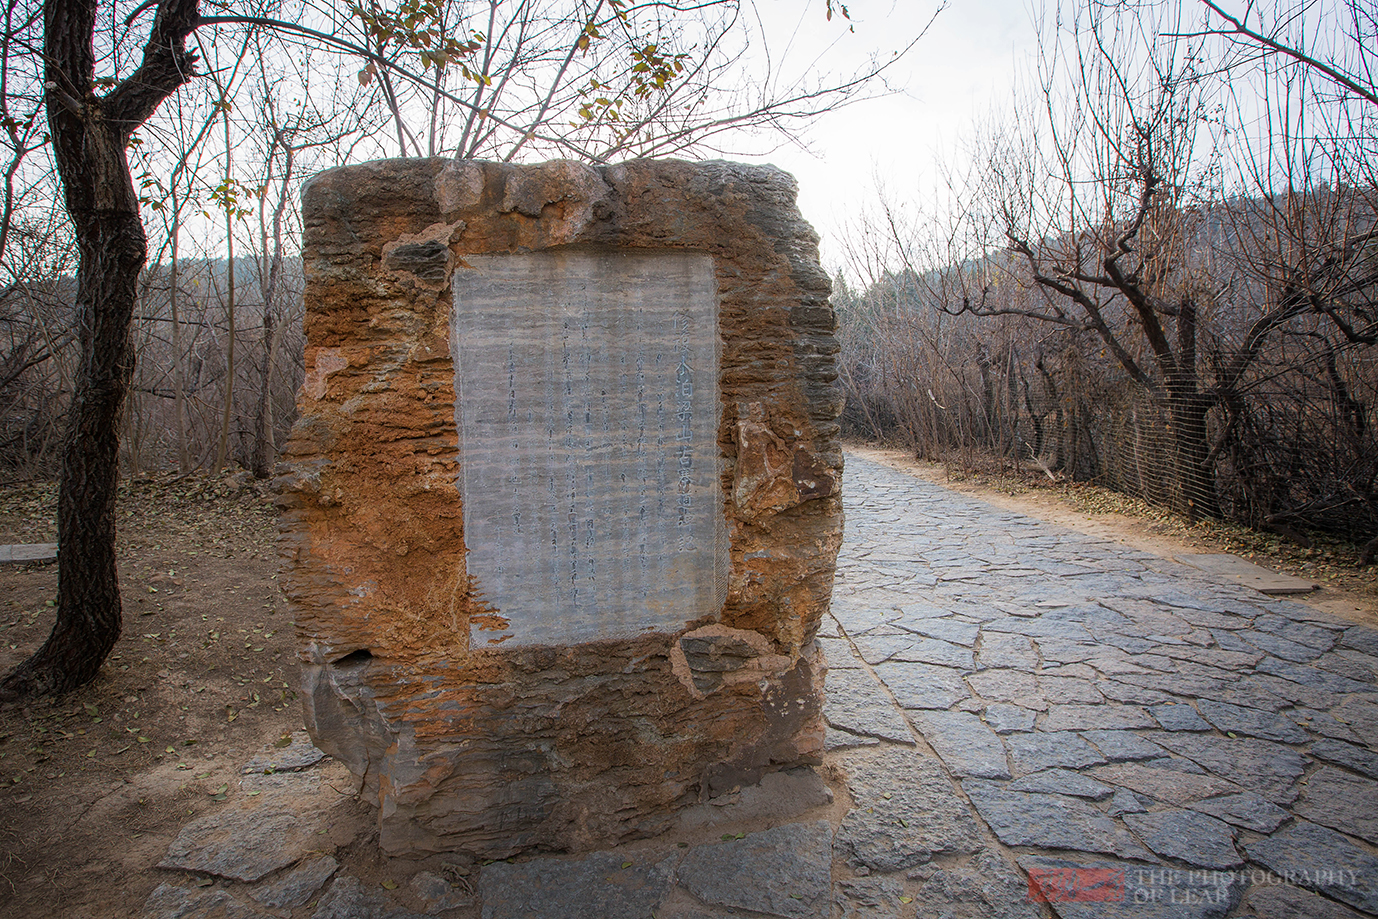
[[95, 786]]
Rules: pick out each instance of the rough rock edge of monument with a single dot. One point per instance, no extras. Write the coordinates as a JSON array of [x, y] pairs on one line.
[[462, 747]]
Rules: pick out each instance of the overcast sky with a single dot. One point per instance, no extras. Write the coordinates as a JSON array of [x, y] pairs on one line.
[[961, 71]]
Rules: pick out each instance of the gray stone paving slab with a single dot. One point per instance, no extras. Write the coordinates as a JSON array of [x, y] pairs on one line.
[[1296, 694], [293, 888], [1206, 619], [1341, 801], [1160, 782], [1097, 889], [1013, 686], [1301, 612], [860, 619], [1322, 860], [1067, 652], [1070, 673], [838, 739], [1361, 714], [1229, 640], [839, 654], [1179, 717], [915, 609], [1247, 809], [1220, 658], [1353, 664], [1008, 719], [28, 554], [1288, 627], [945, 629], [1122, 692], [1042, 750], [1049, 821], [1281, 647], [873, 898], [987, 887], [1188, 836], [1250, 693], [1325, 725], [1362, 638], [932, 651], [923, 686], [1123, 746], [1250, 722], [1312, 677], [999, 650], [1281, 901], [854, 702], [1258, 765], [1348, 755], [877, 646], [966, 745], [1065, 690], [1063, 782], [1108, 716], [1044, 627], [905, 812], [596, 885], [785, 871], [243, 841], [1126, 802], [170, 901]]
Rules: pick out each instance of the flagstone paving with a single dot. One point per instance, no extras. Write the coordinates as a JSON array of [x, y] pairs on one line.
[[1031, 722]]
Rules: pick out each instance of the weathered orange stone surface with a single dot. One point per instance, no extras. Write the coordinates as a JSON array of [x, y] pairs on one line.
[[495, 748]]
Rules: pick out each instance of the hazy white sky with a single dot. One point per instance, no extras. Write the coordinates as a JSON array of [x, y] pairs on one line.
[[960, 72]]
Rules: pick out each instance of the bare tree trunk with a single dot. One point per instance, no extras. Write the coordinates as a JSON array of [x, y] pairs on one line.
[[265, 450], [179, 377], [89, 137], [230, 204], [88, 610], [227, 410], [1196, 495]]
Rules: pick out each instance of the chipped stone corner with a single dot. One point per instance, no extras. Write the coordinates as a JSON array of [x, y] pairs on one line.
[[424, 258], [707, 658]]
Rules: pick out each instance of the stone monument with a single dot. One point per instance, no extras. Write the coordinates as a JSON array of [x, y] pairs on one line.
[[561, 512]]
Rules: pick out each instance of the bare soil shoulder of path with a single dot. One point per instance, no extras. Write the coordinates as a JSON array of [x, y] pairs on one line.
[[1347, 589], [95, 785]]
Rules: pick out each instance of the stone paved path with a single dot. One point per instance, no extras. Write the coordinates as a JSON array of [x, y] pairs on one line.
[[1016, 708], [1093, 716]]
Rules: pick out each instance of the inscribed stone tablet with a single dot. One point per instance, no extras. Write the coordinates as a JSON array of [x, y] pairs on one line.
[[587, 402]]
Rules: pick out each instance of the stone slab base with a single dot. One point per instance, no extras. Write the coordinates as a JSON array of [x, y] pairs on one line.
[[1264, 580]]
